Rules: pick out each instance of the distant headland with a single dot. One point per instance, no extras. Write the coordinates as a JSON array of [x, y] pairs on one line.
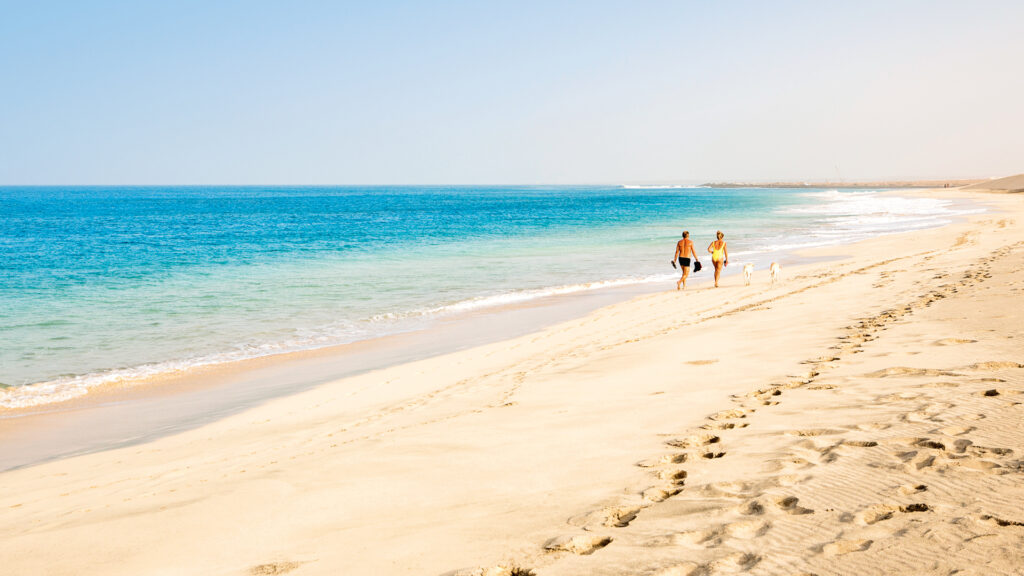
[[845, 184]]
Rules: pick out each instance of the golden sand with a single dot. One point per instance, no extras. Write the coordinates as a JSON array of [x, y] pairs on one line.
[[862, 417]]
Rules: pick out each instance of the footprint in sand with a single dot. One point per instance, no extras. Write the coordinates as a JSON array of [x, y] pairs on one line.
[[860, 443], [986, 451], [709, 538], [821, 360], [796, 383], [920, 443], [1001, 522], [956, 446], [734, 489], [920, 416], [908, 489], [274, 568], [619, 517], [793, 479], [608, 517], [695, 440], [953, 341], [751, 508], [748, 529], [765, 392], [1002, 392], [846, 547], [724, 425], [731, 414], [790, 505], [579, 544], [660, 494], [820, 452], [674, 476], [738, 562], [880, 512], [960, 453], [787, 464], [975, 465], [613, 517], [916, 461], [961, 445], [676, 458]]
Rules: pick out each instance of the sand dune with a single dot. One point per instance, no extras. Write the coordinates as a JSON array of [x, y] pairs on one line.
[[1008, 184], [847, 184], [863, 417]]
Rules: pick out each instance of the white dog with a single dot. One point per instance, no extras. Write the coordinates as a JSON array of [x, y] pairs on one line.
[[773, 272], [748, 271]]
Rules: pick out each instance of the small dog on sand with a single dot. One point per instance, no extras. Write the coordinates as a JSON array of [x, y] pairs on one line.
[[773, 272], [748, 271]]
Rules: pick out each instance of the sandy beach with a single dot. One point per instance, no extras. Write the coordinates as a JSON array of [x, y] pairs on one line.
[[861, 417]]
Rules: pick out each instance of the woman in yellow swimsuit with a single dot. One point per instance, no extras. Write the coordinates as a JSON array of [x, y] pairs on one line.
[[719, 255]]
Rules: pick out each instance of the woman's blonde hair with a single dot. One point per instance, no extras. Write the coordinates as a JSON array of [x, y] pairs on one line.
[[719, 235]]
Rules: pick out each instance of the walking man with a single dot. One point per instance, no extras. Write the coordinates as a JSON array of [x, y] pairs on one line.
[[684, 249]]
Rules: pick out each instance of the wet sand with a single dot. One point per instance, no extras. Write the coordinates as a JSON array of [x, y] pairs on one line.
[[140, 410]]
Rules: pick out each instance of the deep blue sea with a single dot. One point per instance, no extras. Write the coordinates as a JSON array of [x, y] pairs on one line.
[[99, 284]]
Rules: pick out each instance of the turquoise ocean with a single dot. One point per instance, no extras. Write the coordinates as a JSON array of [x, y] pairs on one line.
[[101, 284]]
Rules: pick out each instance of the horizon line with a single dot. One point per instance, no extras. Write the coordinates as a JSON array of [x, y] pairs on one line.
[[693, 182]]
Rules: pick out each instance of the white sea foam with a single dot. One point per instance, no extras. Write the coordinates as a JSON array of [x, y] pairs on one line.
[[71, 387], [860, 203], [850, 216], [520, 296], [75, 386], [653, 187], [854, 215]]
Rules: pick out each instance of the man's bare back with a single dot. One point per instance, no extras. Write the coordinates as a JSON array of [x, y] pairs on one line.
[[684, 247]]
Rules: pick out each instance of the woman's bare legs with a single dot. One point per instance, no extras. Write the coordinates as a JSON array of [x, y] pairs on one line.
[[718, 271]]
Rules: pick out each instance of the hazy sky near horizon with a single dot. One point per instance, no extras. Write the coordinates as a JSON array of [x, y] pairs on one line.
[[261, 92]]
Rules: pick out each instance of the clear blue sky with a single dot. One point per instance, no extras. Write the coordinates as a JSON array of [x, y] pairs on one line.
[[507, 92]]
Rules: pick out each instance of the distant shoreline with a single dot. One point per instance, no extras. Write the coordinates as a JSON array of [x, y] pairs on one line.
[[875, 184]]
